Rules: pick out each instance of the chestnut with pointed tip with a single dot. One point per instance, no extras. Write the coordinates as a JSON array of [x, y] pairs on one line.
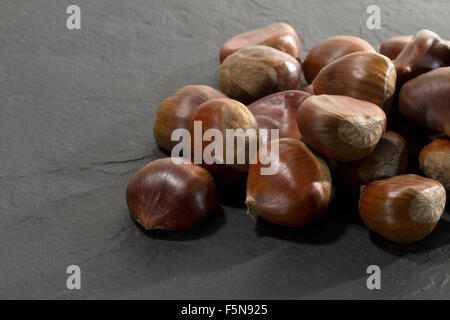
[[404, 208], [257, 71], [339, 127], [425, 52], [280, 36], [367, 76], [165, 195], [434, 161], [392, 47], [330, 50], [426, 100], [278, 111], [298, 193], [174, 112]]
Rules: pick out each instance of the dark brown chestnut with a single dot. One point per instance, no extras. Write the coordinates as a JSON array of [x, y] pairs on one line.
[[165, 195], [278, 111], [175, 111], [362, 75], [280, 36], [330, 50], [425, 52], [426, 100], [298, 193], [434, 161], [257, 71], [339, 127], [404, 208]]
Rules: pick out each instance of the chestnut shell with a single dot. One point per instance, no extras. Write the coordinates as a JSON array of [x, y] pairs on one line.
[[434, 161]]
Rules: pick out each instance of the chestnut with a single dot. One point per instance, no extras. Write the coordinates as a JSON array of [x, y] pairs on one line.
[[174, 112], [308, 89], [392, 47], [298, 193], [165, 195], [223, 115], [278, 111], [403, 208], [425, 100], [425, 52], [434, 161], [367, 76], [280, 36], [388, 159], [330, 50], [257, 71], [339, 127]]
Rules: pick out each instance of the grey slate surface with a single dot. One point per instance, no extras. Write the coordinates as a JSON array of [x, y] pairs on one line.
[[76, 114]]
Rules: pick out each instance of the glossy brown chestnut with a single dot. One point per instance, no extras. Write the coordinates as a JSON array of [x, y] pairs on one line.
[[425, 52], [362, 75], [330, 50], [280, 36], [404, 208], [223, 114], [426, 100], [388, 159], [165, 195], [339, 127], [434, 161], [392, 47], [278, 111], [308, 89], [298, 193], [175, 111], [257, 71]]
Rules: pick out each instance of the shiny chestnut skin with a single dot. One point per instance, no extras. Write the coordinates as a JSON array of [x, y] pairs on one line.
[[257, 71], [330, 50], [223, 114], [388, 159], [174, 112], [425, 100], [280, 36], [425, 52], [339, 127], [165, 195], [278, 111], [404, 208], [392, 47], [362, 75], [298, 193], [434, 161]]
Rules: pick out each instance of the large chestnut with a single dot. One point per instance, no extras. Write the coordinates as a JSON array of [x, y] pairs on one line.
[[404, 208], [298, 193], [280, 36], [257, 71], [392, 47], [388, 159], [362, 75], [425, 52], [339, 127], [175, 111], [278, 111], [165, 195], [426, 100], [434, 161], [330, 50]]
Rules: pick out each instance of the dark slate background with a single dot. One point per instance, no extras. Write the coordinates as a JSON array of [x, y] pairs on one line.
[[77, 109]]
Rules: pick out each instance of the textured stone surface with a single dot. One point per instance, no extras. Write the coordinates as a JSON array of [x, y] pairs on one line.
[[77, 109]]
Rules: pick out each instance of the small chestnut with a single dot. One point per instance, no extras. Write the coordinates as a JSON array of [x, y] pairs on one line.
[[280, 36], [174, 112], [298, 193], [165, 195], [257, 71], [367, 76], [330, 50], [403, 208], [278, 111], [339, 127], [434, 161]]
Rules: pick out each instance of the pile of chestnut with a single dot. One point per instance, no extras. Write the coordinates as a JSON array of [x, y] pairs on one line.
[[377, 121]]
